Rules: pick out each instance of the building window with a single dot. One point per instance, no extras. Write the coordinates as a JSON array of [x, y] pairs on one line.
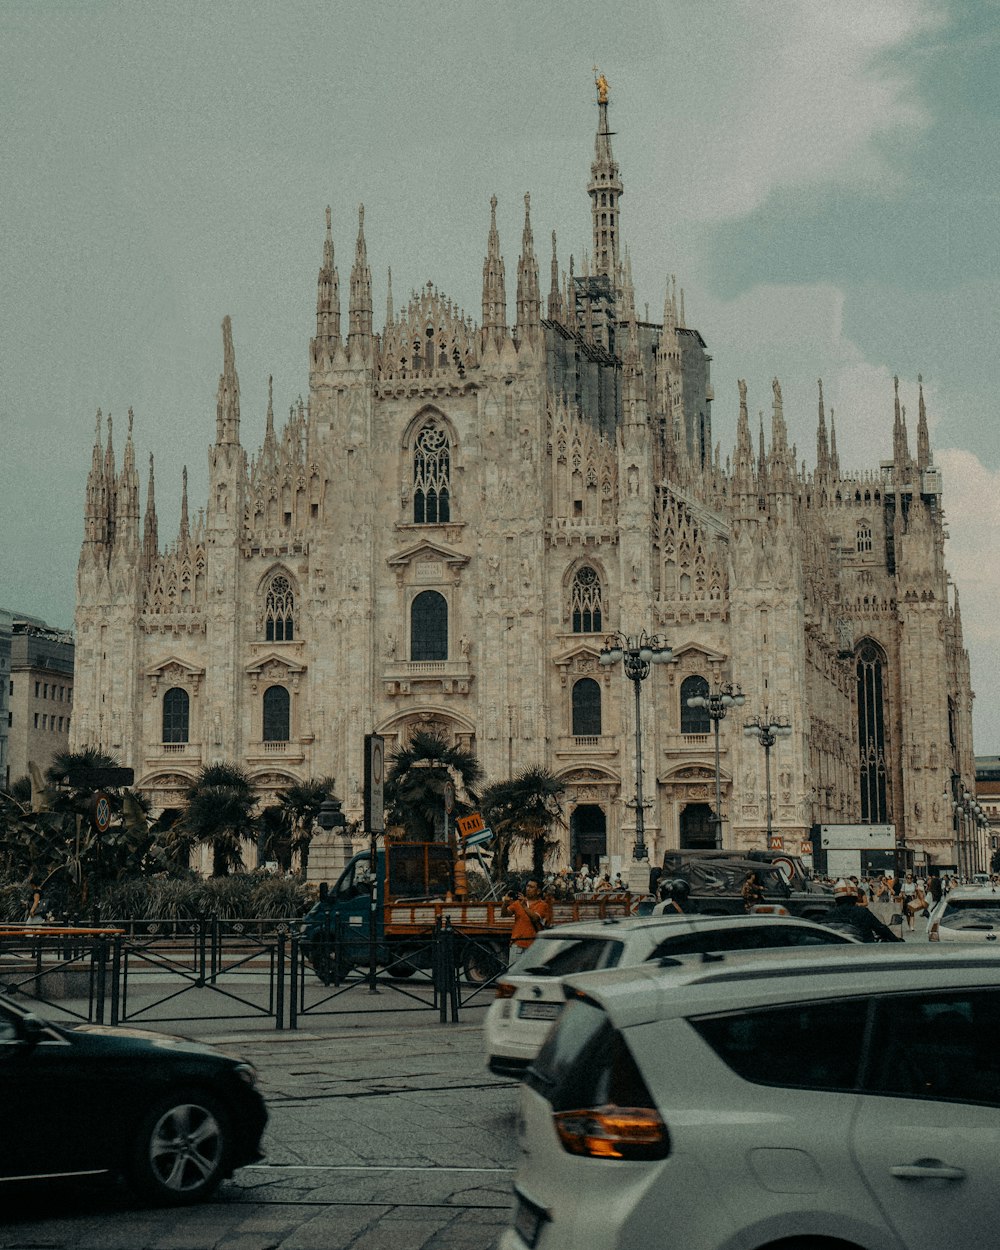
[[585, 604], [431, 477], [276, 708], [864, 538], [586, 708], [872, 733], [429, 626], [176, 715], [36, 720], [38, 686], [45, 691], [694, 720], [279, 624]]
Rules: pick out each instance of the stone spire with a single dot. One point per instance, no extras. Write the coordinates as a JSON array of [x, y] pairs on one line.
[[605, 190], [359, 316], [900, 447], [529, 299], [390, 313], [269, 451], [744, 485], [781, 467], [151, 532], [924, 460], [555, 311], [327, 338], [184, 530], [834, 458], [227, 407], [127, 516], [494, 292], [822, 446], [95, 519]]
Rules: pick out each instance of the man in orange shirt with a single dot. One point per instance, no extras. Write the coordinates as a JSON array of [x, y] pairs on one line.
[[531, 912]]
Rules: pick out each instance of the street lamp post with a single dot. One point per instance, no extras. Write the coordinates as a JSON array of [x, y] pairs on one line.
[[636, 653], [767, 732], [717, 703]]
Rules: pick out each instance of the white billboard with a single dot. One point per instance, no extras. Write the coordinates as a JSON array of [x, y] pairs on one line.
[[857, 837]]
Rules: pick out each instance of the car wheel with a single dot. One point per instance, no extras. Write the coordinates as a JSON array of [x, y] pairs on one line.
[[182, 1149], [481, 963]]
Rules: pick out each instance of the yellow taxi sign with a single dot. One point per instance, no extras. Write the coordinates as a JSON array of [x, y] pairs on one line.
[[468, 825]]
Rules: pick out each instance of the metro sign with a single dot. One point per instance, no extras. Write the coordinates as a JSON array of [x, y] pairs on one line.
[[776, 843]]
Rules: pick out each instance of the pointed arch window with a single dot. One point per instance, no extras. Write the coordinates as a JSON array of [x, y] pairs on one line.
[[586, 708], [864, 538], [872, 733], [585, 601], [429, 626], [694, 720], [276, 714], [176, 715], [279, 610], [431, 477]]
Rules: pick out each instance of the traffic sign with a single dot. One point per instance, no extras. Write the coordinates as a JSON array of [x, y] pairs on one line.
[[100, 813], [473, 823], [449, 797], [477, 839]]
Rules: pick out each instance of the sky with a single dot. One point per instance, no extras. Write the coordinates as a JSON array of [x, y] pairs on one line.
[[822, 178]]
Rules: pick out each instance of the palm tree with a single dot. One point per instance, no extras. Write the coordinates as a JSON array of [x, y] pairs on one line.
[[220, 812], [415, 785], [300, 804], [524, 809]]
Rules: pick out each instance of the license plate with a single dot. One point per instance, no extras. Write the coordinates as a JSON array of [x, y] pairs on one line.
[[539, 1011], [529, 1219]]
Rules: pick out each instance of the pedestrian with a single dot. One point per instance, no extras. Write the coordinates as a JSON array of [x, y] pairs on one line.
[[604, 886], [848, 917], [35, 912], [531, 913], [675, 894], [752, 891]]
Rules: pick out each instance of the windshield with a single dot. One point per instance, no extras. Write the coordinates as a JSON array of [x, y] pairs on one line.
[[557, 957], [970, 913]]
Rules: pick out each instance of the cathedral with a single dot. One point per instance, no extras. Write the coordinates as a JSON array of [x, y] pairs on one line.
[[447, 533]]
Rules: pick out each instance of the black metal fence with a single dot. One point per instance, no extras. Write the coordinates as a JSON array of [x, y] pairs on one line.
[[157, 971]]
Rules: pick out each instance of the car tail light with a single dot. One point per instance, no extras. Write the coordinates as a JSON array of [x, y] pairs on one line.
[[612, 1132], [504, 989]]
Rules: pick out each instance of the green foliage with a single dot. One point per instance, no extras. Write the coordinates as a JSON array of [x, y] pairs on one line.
[[415, 785], [220, 812], [524, 809]]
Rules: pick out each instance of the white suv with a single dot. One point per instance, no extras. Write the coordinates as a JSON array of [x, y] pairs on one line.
[[843, 1098], [967, 913], [530, 994]]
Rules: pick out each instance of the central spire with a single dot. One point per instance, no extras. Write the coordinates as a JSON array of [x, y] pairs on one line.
[[605, 190]]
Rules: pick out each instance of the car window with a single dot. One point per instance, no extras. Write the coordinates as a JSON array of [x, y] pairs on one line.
[[940, 1046], [812, 1046], [579, 955], [745, 938], [969, 912]]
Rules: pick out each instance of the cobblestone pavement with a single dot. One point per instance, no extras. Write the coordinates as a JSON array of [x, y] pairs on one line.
[[380, 1138]]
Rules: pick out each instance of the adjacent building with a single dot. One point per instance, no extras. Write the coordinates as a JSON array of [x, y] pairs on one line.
[[40, 692], [445, 534]]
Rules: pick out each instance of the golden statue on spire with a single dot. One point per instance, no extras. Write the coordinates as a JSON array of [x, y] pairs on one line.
[[602, 85]]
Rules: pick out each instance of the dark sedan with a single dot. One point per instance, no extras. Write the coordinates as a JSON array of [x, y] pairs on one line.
[[173, 1116]]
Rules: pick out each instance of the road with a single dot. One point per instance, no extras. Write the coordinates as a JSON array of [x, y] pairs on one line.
[[391, 1138]]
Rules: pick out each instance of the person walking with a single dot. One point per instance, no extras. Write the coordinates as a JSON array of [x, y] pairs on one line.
[[752, 891]]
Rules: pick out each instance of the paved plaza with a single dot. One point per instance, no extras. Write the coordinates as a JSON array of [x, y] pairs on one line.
[[386, 1132]]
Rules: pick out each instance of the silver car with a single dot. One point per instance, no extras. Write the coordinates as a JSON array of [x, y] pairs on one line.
[[967, 913], [529, 995], [836, 1097]]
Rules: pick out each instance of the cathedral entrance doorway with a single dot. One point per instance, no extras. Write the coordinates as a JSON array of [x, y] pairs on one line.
[[697, 827], [588, 836]]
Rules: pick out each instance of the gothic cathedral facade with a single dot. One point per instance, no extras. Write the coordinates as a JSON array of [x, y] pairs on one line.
[[445, 534]]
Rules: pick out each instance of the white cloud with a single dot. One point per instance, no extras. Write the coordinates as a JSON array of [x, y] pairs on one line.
[[800, 95]]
